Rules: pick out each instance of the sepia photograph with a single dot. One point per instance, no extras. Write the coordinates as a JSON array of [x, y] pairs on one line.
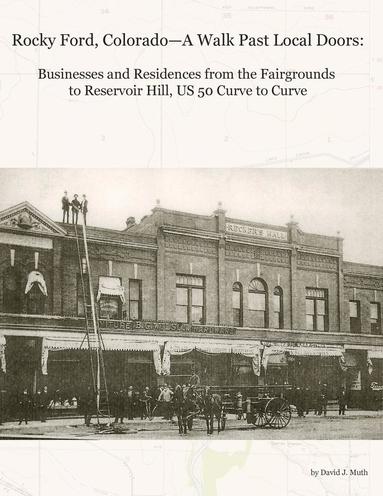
[[191, 304]]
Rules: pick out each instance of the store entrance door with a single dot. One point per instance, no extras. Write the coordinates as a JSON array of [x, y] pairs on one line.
[[312, 372], [23, 365]]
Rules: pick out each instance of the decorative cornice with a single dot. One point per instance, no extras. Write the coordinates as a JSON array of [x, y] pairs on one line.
[[257, 253], [197, 245], [363, 281], [317, 262]]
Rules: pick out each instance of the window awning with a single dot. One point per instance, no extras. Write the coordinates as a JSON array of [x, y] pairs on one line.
[[110, 343], [250, 349], [110, 286], [3, 364], [303, 351], [313, 351], [374, 354], [36, 277]]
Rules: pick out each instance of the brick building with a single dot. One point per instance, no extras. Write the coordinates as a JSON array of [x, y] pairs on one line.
[[236, 302]]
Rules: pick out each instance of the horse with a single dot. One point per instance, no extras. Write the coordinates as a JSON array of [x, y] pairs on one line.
[[211, 405], [185, 408]]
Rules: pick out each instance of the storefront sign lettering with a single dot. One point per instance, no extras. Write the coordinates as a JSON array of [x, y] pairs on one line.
[[137, 325], [258, 232], [292, 344]]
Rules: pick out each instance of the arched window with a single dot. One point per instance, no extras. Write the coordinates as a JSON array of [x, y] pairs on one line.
[[278, 308], [258, 303], [237, 305], [36, 293], [11, 291], [35, 301]]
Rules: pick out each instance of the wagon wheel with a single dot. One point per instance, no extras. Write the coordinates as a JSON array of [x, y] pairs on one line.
[[260, 419], [278, 413]]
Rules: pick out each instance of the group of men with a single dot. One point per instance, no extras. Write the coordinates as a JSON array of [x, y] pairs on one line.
[[76, 205], [33, 406], [130, 403], [306, 400]]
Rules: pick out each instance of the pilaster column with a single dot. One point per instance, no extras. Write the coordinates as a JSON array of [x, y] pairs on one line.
[[160, 275], [220, 215], [341, 309], [294, 239], [57, 288]]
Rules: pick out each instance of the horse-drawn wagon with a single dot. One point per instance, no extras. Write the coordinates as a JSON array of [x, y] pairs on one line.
[[263, 406]]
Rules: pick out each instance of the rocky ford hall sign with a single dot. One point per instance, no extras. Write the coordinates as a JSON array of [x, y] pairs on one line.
[[259, 232]]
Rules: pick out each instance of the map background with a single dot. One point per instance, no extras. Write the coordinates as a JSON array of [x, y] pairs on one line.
[[337, 125], [156, 468]]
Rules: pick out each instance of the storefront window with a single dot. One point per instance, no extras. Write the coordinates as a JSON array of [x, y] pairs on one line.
[[375, 318], [190, 299], [237, 304], [355, 326], [278, 308], [135, 299], [257, 299], [316, 309]]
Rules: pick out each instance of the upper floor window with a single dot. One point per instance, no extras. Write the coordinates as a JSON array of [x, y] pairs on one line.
[[258, 303], [355, 323], [237, 304], [375, 318], [135, 299], [316, 309], [190, 299], [36, 293], [278, 308], [110, 297], [11, 291]]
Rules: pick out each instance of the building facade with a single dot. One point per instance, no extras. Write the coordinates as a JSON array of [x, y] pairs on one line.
[[237, 303]]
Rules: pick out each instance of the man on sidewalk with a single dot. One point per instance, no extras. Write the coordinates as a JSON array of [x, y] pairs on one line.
[[42, 402], [130, 400], [166, 397], [25, 405], [342, 401], [87, 403]]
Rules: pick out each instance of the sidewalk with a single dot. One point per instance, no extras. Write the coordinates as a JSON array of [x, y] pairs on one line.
[[158, 423]]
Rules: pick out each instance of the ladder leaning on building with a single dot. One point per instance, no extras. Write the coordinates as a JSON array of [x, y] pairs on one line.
[[92, 328]]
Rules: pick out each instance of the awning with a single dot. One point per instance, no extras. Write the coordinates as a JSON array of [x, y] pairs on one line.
[[3, 364], [250, 349], [308, 351], [110, 286], [110, 343], [374, 354], [303, 351], [37, 278]]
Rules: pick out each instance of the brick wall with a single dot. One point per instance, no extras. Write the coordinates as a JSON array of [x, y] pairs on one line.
[[24, 264]]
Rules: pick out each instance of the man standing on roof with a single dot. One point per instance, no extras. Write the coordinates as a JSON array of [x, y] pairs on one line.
[[76, 207], [84, 207], [65, 204]]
